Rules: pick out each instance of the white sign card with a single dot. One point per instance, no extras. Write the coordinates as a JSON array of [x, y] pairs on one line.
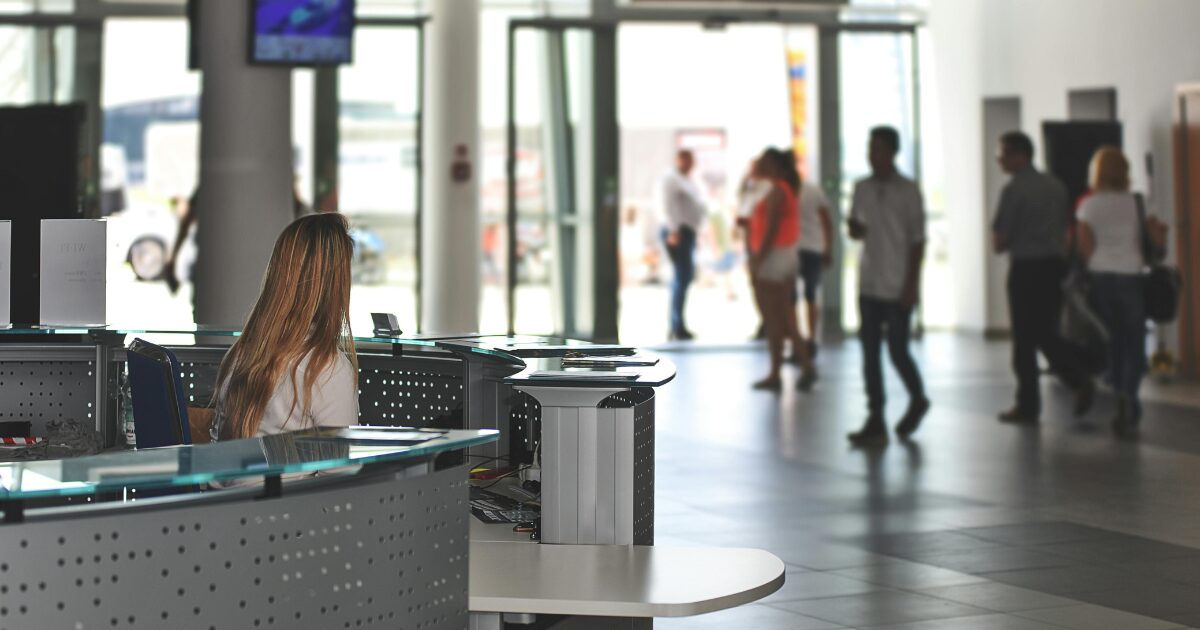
[[5, 273], [73, 272]]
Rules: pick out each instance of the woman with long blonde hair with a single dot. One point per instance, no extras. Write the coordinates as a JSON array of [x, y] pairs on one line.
[[294, 366]]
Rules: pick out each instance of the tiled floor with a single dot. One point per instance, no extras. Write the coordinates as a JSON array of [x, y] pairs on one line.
[[973, 525]]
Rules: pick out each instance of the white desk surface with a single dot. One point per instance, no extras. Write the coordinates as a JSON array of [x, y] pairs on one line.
[[617, 581]]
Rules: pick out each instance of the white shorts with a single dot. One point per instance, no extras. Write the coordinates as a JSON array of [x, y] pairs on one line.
[[780, 265]]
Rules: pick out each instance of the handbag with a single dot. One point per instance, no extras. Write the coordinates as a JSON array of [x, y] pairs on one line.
[[1163, 282]]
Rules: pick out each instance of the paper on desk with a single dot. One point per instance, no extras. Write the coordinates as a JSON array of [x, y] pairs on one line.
[[614, 361], [585, 375]]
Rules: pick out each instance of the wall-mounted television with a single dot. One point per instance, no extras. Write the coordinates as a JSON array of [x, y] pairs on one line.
[[302, 32]]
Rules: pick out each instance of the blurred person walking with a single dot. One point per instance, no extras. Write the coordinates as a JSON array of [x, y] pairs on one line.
[[888, 216], [816, 253], [683, 212], [750, 192], [774, 233], [1117, 241], [1031, 225]]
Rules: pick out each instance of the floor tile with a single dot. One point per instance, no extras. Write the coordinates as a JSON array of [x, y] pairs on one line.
[[1091, 617], [755, 616], [1036, 533], [994, 559], [1119, 549], [883, 607], [1064, 580], [999, 597], [979, 622], [906, 545], [1182, 570], [815, 585], [910, 576], [1155, 599]]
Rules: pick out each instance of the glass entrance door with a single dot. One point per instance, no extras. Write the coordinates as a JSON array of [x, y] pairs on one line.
[[557, 231]]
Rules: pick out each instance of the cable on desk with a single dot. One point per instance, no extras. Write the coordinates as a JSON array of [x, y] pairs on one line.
[[504, 476]]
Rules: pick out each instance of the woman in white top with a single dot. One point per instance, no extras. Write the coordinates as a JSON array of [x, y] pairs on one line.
[[1110, 240], [294, 367]]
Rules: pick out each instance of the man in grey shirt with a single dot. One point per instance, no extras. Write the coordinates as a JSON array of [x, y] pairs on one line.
[[1031, 226]]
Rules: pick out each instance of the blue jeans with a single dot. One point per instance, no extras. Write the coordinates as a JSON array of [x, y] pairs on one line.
[[1119, 300], [683, 261]]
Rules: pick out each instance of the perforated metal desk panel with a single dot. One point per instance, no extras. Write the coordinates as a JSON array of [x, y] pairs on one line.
[[77, 374], [382, 543]]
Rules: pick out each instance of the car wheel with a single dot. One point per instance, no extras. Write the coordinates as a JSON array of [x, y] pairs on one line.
[[148, 258]]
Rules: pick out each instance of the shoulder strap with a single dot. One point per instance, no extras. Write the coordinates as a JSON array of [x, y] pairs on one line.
[[1143, 237]]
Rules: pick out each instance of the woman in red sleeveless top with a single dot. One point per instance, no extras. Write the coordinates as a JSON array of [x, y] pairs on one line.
[[774, 263]]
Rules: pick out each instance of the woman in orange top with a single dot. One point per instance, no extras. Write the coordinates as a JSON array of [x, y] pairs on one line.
[[774, 264]]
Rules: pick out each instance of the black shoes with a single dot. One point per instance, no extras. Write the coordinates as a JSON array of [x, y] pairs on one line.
[[681, 335], [807, 379], [1126, 423], [1085, 395], [1018, 416], [912, 418], [768, 384], [873, 433]]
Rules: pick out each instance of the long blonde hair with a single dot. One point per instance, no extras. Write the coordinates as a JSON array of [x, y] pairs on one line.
[[1109, 170], [303, 310]]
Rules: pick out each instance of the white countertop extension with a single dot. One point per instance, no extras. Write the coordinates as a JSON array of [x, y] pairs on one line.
[[617, 581]]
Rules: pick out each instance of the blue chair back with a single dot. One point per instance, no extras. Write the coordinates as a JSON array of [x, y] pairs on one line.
[[159, 410]]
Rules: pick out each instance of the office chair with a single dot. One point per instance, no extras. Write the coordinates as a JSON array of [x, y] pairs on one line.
[[159, 411]]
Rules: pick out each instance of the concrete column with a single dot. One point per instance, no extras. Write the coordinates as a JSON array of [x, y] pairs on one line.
[[450, 256], [246, 174]]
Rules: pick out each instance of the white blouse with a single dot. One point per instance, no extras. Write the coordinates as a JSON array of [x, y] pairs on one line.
[[334, 401], [1113, 218]]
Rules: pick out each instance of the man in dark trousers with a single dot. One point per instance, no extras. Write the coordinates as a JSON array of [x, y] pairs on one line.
[[1031, 226], [888, 216], [683, 207]]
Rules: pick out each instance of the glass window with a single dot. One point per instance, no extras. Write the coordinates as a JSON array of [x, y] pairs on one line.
[[16, 65], [149, 164], [377, 171], [876, 89]]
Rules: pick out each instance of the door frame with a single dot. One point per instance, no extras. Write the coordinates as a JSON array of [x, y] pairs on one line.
[[601, 322]]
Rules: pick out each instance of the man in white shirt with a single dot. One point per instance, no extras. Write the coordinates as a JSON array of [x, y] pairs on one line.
[[816, 249], [683, 212], [888, 216]]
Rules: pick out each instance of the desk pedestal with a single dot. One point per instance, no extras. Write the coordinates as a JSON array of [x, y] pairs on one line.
[[597, 453]]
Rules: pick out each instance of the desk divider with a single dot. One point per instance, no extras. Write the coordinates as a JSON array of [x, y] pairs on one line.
[[5, 272]]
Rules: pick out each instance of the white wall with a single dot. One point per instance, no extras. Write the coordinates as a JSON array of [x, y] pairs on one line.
[[1038, 50]]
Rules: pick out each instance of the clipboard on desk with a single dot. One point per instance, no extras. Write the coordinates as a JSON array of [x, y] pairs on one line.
[[395, 436], [583, 375]]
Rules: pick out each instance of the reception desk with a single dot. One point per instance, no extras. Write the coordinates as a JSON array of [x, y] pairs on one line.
[[587, 433], [303, 530]]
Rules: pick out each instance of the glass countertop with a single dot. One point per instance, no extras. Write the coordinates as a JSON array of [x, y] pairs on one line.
[[551, 372], [210, 331], [528, 354], [286, 453]]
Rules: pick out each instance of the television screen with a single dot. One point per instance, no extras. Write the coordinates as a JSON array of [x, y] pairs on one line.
[[302, 32]]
